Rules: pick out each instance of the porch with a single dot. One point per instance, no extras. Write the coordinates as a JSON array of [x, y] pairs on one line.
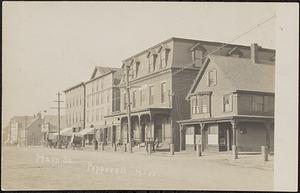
[[146, 125], [247, 133]]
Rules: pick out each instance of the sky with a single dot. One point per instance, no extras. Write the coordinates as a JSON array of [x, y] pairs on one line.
[[48, 47]]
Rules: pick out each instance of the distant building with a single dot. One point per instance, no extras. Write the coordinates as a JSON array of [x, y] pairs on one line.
[[50, 126], [34, 135], [75, 107], [17, 129], [102, 99], [26, 130], [232, 101]]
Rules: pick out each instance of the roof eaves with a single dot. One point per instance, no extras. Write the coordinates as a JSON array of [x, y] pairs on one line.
[[198, 77]]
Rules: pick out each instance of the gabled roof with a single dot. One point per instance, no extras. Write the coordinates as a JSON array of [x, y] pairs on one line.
[[73, 87], [103, 70], [242, 73]]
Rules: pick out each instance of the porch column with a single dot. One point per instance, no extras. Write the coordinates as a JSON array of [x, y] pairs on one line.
[[233, 124], [194, 136], [268, 126], [181, 138], [228, 138], [112, 135], [140, 128], [234, 139], [202, 135]]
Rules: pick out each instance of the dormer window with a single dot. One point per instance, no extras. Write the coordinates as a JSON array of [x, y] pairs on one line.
[[164, 56], [152, 62], [198, 54], [235, 52], [137, 66]]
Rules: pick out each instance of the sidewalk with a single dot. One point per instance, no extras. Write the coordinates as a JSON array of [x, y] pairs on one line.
[[247, 160]]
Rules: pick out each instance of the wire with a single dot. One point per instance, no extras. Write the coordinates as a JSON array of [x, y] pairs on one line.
[[215, 50]]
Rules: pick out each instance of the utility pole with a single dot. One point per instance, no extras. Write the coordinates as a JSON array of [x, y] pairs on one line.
[[128, 108], [25, 131], [172, 134], [58, 108]]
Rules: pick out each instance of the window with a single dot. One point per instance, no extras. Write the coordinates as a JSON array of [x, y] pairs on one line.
[[107, 111], [269, 104], [102, 114], [194, 104], [142, 97], [133, 99], [164, 55], [97, 99], [102, 84], [107, 96], [200, 104], [97, 115], [257, 103], [88, 116], [137, 65], [125, 101], [227, 103], [163, 92], [204, 104], [197, 55], [131, 72], [92, 117], [87, 101], [212, 78], [101, 98], [151, 95], [93, 97], [152, 62]]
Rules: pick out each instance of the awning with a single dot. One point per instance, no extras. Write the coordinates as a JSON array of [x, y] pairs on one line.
[[66, 131], [86, 131]]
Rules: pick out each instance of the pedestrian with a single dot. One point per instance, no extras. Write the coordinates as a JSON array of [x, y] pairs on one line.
[[95, 143]]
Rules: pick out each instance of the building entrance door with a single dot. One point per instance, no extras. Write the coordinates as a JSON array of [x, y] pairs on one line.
[[158, 130], [113, 140], [225, 137]]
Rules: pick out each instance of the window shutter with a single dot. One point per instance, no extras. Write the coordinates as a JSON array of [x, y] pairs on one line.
[[215, 76], [230, 102], [207, 79]]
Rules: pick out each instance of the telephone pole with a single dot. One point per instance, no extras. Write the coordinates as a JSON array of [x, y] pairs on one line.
[[58, 109], [128, 108]]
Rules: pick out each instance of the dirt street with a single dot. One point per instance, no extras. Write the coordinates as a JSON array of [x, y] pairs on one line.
[[42, 168]]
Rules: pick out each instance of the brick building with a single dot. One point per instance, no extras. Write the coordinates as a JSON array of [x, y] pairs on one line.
[[232, 101]]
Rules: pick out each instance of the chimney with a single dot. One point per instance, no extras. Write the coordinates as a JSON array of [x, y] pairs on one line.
[[254, 51]]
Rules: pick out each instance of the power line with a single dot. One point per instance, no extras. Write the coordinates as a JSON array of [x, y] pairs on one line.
[[218, 48]]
